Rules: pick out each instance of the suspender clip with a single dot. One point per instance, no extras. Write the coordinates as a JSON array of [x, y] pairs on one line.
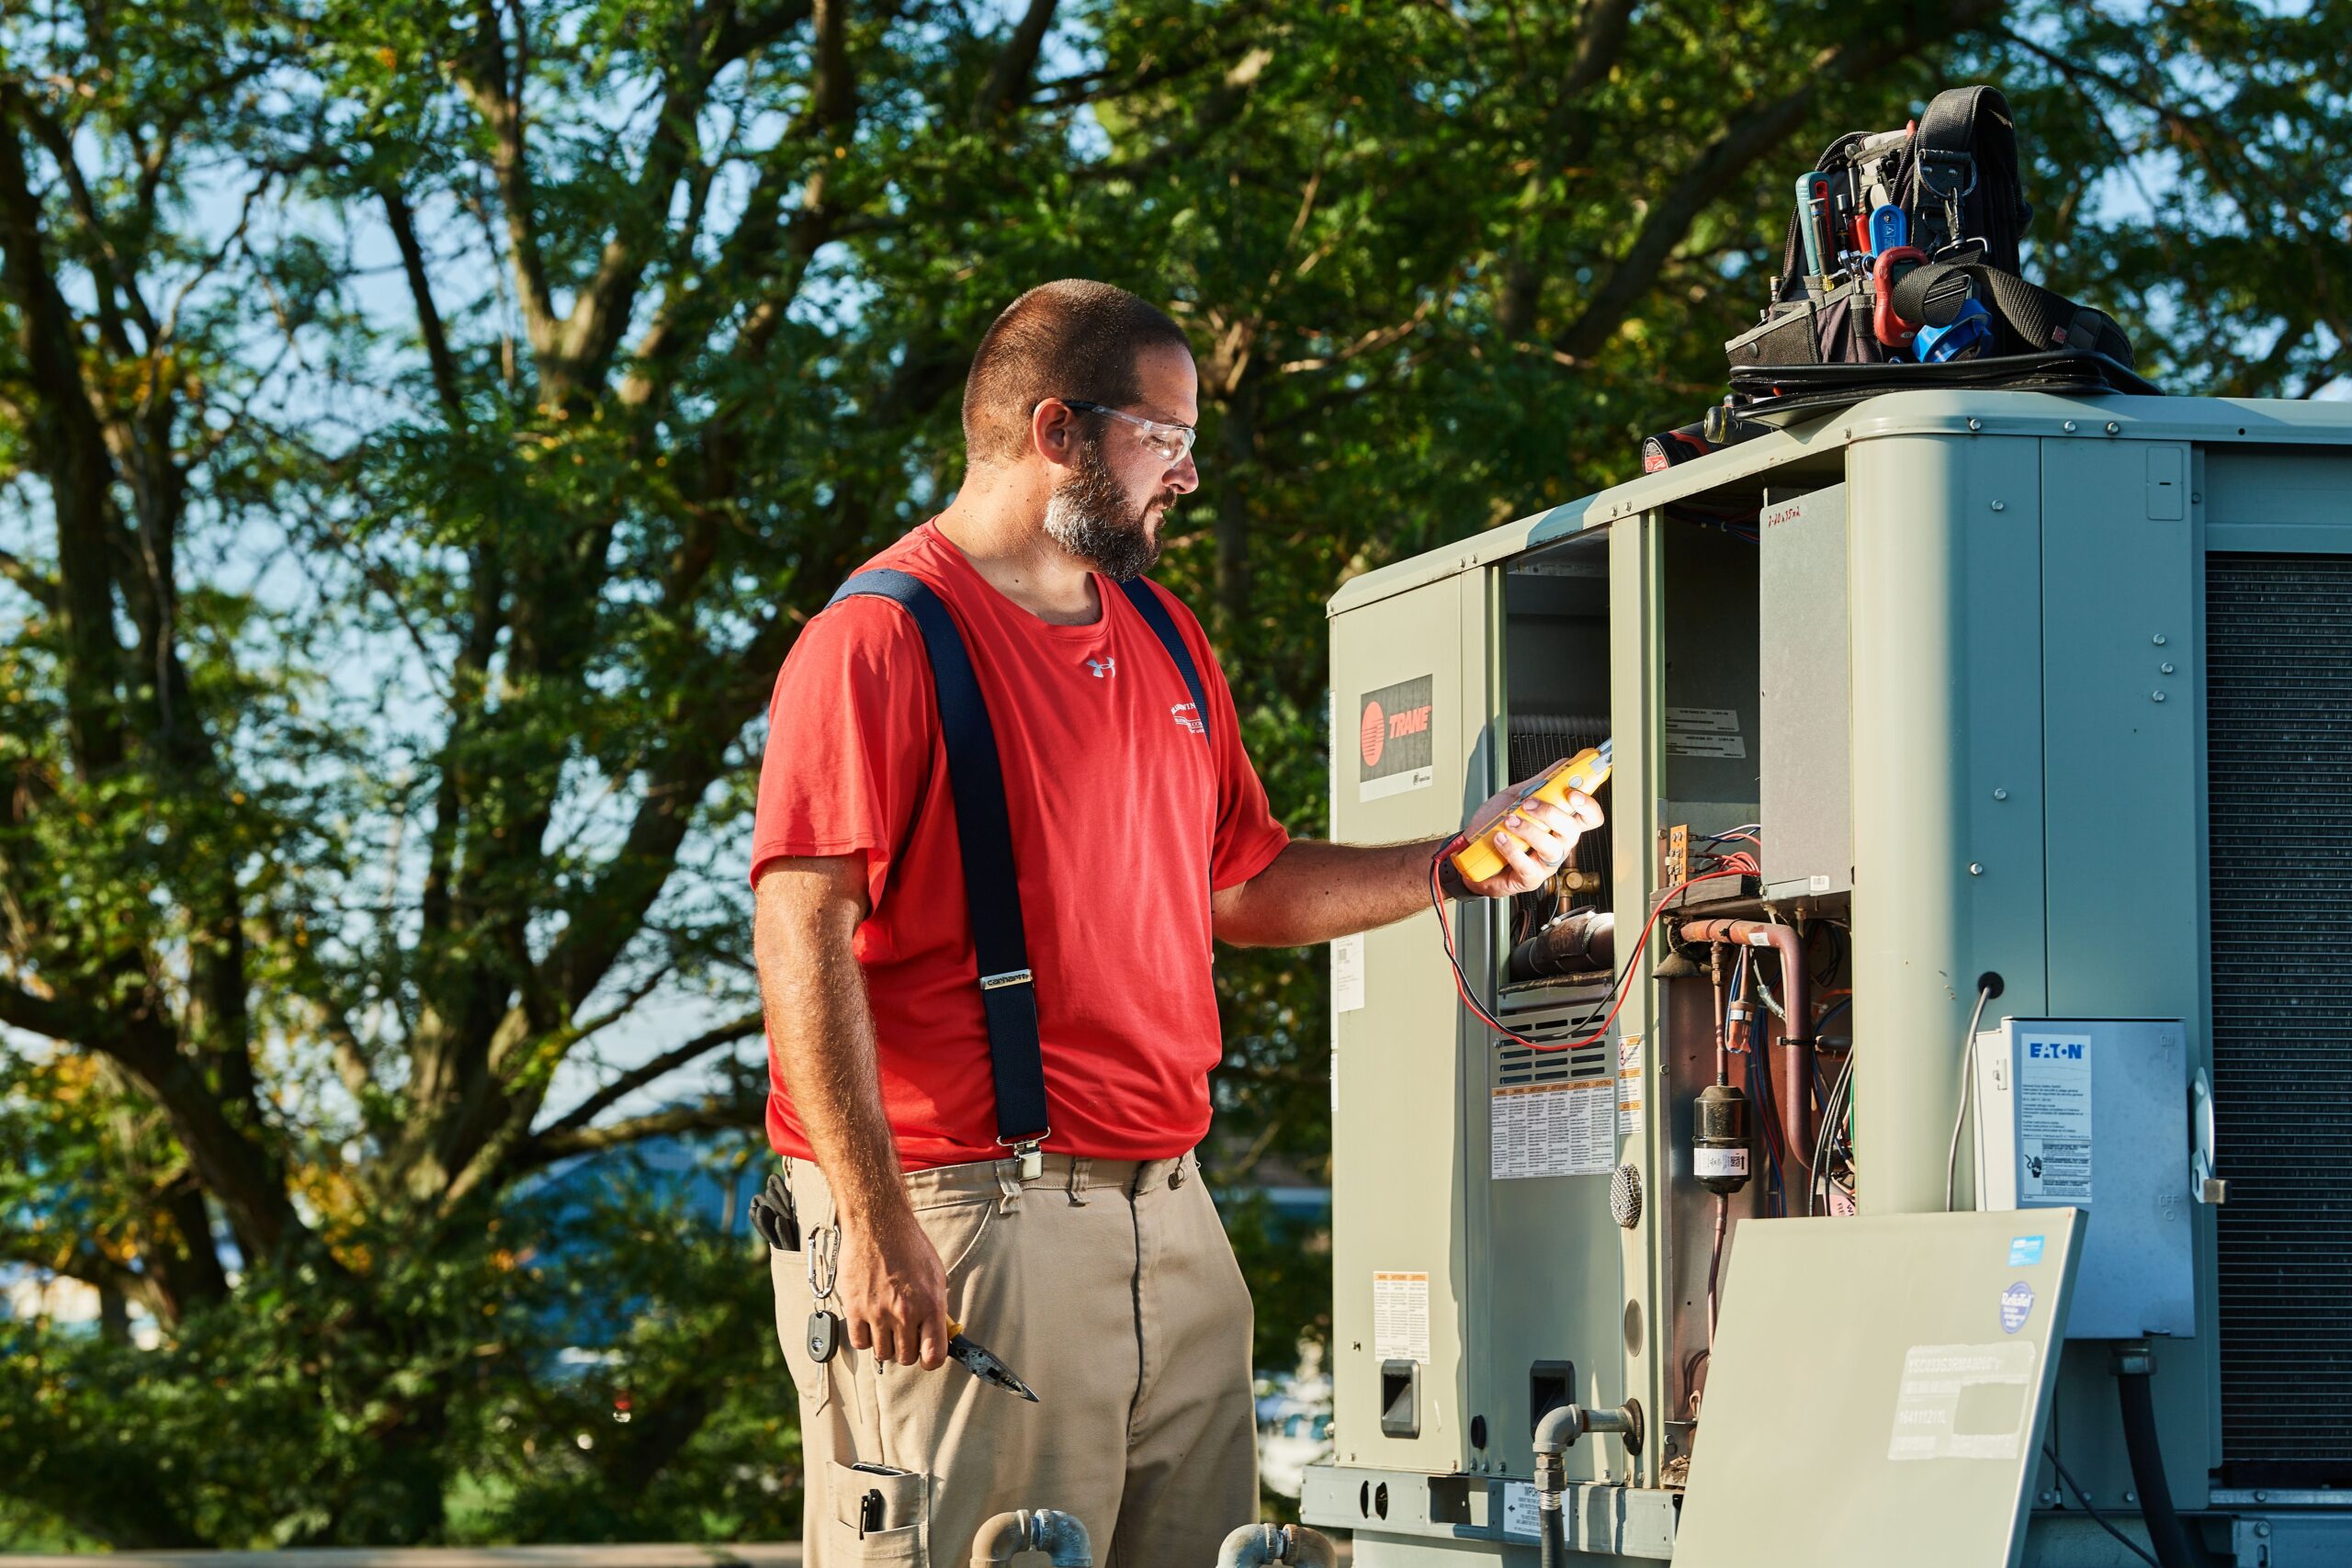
[[1033, 1159]]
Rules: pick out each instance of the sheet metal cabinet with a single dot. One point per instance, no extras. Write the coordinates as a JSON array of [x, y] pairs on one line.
[[2046, 776]]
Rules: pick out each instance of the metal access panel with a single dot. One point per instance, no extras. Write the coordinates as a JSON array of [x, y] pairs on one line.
[[1804, 652], [1912, 1432], [1411, 716], [2093, 1113]]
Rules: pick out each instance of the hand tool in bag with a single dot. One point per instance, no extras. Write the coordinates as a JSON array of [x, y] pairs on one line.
[[1813, 221], [1886, 325], [976, 1359], [1586, 770], [1889, 229]]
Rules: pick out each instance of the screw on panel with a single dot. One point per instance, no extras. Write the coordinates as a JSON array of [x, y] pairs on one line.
[[2160, 639], [2000, 794], [2000, 506], [2131, 1496], [1975, 425], [2113, 428], [2048, 1498], [2166, 668], [2158, 696], [1975, 868], [2068, 427]]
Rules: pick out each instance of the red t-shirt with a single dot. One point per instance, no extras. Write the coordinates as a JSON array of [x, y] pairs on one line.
[[1123, 822]]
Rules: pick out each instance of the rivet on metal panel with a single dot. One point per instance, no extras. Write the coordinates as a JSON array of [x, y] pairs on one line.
[[2160, 639], [2000, 506], [2261, 1528], [2113, 428], [2262, 1496], [2158, 696], [2196, 498], [2166, 668], [2000, 794], [1975, 425], [2131, 1496], [2048, 1499], [1977, 868], [2069, 427]]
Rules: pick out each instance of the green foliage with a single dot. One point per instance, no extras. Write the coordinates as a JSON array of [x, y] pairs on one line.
[[425, 427]]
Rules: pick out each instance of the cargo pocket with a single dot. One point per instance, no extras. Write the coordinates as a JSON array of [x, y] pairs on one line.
[[880, 1516]]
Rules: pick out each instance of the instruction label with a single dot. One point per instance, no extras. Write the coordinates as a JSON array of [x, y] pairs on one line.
[[1629, 1085], [1962, 1401], [1347, 974], [1519, 1511], [1704, 732], [1553, 1129], [2054, 1118], [1400, 1316]]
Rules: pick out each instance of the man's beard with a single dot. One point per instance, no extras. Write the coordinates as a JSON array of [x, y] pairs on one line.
[[1090, 518]]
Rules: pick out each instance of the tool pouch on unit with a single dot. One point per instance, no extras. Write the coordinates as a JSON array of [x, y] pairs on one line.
[[1824, 340]]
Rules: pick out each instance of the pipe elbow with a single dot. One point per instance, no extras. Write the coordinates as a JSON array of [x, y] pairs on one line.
[[1254, 1545], [1060, 1536], [1562, 1426]]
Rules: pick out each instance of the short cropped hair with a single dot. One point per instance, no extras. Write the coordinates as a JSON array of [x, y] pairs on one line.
[[1069, 339]]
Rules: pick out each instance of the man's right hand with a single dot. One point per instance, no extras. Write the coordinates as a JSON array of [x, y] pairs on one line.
[[893, 1289]]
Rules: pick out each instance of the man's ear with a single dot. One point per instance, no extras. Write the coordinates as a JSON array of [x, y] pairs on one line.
[[1054, 433]]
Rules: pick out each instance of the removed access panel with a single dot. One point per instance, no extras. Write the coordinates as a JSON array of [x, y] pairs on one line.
[[1878, 1391]]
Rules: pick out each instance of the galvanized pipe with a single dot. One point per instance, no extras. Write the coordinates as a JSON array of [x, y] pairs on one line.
[[1792, 1068], [1252, 1545], [1049, 1531]]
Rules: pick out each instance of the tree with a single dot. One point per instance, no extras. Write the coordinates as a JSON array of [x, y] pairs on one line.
[[426, 425]]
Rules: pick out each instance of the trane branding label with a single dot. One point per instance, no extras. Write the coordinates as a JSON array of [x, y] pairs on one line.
[[1393, 747]]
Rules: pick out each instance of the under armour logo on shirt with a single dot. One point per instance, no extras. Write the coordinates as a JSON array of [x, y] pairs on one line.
[[1103, 666]]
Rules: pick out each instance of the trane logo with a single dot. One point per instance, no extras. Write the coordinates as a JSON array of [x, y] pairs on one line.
[[1410, 722], [2052, 1051], [1378, 728]]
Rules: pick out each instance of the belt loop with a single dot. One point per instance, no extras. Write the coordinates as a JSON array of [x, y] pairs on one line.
[[1007, 1184], [1078, 1181]]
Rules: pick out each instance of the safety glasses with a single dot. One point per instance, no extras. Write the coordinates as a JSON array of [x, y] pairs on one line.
[[1169, 442]]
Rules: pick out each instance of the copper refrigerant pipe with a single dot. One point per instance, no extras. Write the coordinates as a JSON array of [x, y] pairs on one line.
[[1792, 1085]]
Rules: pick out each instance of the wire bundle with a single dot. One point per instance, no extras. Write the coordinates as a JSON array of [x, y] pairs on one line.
[[1616, 994]]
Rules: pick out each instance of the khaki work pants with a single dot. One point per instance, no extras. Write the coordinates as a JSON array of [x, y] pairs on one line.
[[1108, 1286]]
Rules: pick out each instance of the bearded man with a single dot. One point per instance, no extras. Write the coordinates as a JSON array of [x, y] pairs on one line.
[[1001, 817]]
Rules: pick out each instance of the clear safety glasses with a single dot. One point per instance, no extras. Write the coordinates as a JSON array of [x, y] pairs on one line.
[[1169, 442]]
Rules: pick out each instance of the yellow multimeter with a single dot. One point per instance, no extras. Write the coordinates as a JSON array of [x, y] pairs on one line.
[[1586, 770]]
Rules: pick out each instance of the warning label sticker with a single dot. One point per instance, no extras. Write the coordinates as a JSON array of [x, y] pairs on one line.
[[1393, 747], [1962, 1401], [1553, 1129], [1347, 974], [2054, 1118], [1704, 732], [1629, 1085], [1400, 1316], [1520, 1518]]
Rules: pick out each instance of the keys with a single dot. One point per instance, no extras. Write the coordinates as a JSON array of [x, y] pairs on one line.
[[824, 1336], [824, 1266]]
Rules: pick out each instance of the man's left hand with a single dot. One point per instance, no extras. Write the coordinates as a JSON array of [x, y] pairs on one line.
[[1542, 838]]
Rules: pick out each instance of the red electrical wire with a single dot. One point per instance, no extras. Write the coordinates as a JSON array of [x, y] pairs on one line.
[[1616, 988]]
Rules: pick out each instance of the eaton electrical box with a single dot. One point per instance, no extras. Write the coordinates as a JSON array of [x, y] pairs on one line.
[[2094, 1115]]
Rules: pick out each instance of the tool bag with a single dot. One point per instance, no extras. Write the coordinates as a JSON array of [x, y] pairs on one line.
[[984, 838], [1900, 269]]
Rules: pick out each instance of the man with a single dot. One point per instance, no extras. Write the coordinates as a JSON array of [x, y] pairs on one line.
[[1095, 1265]]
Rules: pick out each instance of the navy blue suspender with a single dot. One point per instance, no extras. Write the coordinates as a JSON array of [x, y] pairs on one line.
[[984, 833]]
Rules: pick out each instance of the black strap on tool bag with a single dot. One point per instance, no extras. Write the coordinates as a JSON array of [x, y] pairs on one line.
[[984, 834], [2034, 319]]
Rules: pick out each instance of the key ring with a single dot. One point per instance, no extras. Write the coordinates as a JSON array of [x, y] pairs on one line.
[[825, 1250]]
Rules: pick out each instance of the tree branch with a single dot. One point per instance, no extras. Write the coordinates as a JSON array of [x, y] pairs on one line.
[[485, 71], [636, 1077], [30, 581], [711, 1115], [1009, 80], [420, 288]]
